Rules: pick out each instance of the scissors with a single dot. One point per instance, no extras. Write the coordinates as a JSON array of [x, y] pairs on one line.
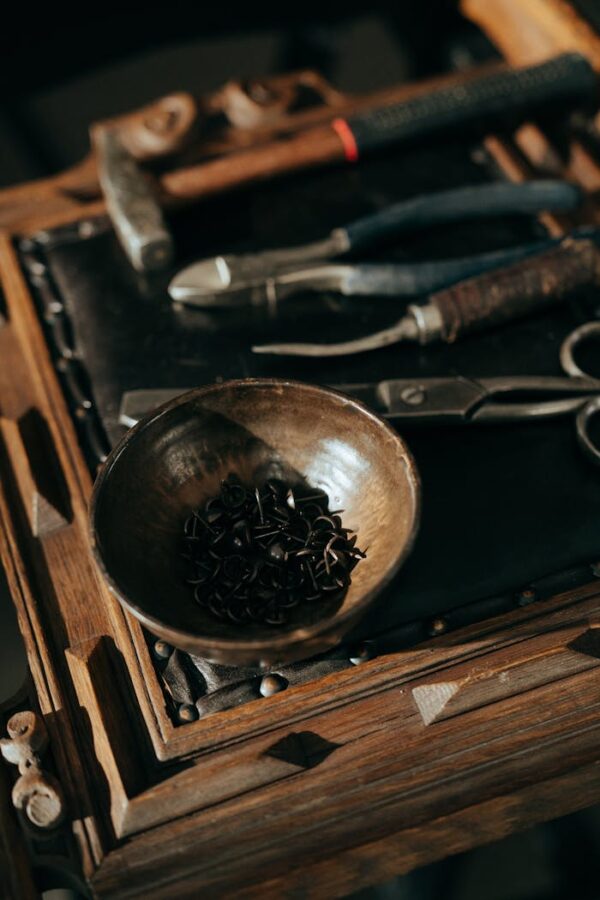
[[457, 399], [466, 400]]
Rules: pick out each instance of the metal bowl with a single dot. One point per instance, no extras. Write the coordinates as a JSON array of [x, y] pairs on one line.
[[174, 459]]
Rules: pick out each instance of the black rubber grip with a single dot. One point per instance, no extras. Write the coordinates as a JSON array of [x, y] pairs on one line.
[[568, 78], [526, 287]]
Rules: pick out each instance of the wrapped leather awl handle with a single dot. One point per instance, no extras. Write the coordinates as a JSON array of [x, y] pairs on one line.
[[503, 295]]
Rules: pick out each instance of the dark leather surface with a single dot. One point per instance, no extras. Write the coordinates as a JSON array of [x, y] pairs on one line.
[[503, 505]]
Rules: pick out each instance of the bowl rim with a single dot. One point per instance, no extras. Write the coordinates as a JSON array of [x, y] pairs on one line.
[[280, 640]]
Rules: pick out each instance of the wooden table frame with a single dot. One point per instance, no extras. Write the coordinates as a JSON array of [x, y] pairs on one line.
[[325, 788], [426, 752]]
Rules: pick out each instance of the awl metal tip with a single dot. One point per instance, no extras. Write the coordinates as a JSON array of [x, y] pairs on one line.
[[404, 330], [301, 349]]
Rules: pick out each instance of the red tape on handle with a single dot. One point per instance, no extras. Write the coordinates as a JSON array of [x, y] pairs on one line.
[[344, 132]]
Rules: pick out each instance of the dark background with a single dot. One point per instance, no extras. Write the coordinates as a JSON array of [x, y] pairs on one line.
[[61, 70]]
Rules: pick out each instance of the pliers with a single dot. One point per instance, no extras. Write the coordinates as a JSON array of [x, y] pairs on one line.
[[268, 276]]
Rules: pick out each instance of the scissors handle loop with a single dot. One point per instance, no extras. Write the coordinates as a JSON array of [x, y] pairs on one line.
[[570, 344], [592, 407], [582, 423]]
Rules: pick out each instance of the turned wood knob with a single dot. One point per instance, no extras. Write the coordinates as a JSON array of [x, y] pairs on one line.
[[36, 792], [27, 737], [39, 795]]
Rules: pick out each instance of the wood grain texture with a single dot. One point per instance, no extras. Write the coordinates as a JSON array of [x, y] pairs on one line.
[[36, 792], [44, 500], [411, 781], [163, 802], [54, 583], [552, 656], [534, 30], [380, 860], [316, 791], [153, 776], [528, 33], [234, 157]]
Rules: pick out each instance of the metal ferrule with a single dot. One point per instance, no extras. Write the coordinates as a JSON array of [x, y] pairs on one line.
[[428, 322]]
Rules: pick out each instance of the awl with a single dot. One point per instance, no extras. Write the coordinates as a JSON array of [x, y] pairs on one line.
[[494, 298]]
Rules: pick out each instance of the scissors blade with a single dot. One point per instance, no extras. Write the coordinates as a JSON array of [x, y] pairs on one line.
[[558, 396], [517, 412], [541, 384]]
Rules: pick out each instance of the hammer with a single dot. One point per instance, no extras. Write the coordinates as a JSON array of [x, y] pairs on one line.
[[503, 97]]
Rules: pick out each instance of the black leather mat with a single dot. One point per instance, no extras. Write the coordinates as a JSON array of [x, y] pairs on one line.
[[503, 505]]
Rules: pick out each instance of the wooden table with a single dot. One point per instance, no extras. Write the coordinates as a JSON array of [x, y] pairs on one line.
[[333, 785]]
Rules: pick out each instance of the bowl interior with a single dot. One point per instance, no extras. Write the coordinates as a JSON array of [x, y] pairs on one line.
[[172, 462]]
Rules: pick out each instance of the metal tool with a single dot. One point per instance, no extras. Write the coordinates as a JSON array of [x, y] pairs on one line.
[[457, 399], [506, 96], [273, 274], [132, 205], [494, 298]]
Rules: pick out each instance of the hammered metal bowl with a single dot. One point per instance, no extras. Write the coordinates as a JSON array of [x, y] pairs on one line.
[[173, 460]]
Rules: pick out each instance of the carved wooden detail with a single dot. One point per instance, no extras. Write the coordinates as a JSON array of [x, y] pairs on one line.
[[36, 792], [304, 749], [343, 744], [550, 657], [37, 476], [513, 700]]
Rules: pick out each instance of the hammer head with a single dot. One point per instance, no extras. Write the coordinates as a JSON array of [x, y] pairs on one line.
[[132, 204]]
